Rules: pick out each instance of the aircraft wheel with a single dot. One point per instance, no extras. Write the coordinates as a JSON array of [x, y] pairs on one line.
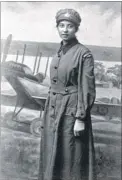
[[103, 110], [35, 127], [8, 121]]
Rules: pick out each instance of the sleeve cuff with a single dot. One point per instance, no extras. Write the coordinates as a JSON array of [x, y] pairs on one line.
[[80, 121], [80, 115]]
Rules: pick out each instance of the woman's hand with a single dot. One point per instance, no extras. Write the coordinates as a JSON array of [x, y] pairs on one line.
[[79, 126]]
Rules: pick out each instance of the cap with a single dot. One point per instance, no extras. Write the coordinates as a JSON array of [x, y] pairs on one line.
[[69, 15]]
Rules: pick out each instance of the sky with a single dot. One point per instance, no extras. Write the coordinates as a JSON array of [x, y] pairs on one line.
[[35, 21]]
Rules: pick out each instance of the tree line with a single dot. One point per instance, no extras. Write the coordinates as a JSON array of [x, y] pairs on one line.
[[111, 74]]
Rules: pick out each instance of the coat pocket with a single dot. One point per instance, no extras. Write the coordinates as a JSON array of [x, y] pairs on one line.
[[72, 101], [70, 111]]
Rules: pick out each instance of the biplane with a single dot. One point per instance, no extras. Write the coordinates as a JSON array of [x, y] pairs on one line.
[[29, 84], [32, 90]]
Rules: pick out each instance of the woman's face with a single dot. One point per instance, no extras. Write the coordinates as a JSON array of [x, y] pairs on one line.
[[66, 30]]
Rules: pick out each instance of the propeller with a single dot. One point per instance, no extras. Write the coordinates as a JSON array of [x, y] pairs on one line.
[[7, 47]]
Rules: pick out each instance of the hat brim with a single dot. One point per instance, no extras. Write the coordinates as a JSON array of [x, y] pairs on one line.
[[67, 19]]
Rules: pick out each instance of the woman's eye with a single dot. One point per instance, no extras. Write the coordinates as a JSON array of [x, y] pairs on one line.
[[61, 25], [70, 26]]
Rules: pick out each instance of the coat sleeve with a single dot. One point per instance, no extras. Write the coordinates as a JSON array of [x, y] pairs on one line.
[[86, 86]]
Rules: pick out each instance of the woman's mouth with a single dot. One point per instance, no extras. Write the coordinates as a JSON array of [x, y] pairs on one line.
[[64, 34]]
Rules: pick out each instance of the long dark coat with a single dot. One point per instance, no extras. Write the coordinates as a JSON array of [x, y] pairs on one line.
[[71, 96]]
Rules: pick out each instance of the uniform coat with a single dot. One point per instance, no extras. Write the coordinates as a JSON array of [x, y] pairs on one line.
[[71, 96]]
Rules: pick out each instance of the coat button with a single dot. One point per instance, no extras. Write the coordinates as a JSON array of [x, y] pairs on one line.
[[55, 67], [53, 106], [66, 90], [54, 93]]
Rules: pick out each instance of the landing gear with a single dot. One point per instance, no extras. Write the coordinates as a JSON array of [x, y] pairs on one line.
[[9, 120], [35, 127]]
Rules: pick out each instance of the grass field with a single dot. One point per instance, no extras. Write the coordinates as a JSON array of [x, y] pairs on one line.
[[20, 155], [20, 151]]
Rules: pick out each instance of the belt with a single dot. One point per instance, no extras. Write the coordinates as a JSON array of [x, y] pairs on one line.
[[64, 90]]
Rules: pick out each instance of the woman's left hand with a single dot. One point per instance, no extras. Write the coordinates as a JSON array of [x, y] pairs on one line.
[[79, 126]]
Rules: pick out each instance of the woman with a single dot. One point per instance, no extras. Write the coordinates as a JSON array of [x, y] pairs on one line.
[[67, 151]]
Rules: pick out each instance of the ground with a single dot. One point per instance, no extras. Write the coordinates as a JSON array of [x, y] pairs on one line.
[[20, 150], [20, 153]]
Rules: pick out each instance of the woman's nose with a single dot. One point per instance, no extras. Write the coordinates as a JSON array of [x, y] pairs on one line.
[[65, 29]]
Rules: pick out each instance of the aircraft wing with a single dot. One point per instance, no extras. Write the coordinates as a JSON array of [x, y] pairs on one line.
[[49, 49]]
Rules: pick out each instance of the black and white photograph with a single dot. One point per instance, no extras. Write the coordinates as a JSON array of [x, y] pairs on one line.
[[61, 87]]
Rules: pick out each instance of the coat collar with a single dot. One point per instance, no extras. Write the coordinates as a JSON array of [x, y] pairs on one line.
[[65, 48]]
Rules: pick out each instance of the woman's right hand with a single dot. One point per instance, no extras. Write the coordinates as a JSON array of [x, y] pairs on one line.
[[79, 126]]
